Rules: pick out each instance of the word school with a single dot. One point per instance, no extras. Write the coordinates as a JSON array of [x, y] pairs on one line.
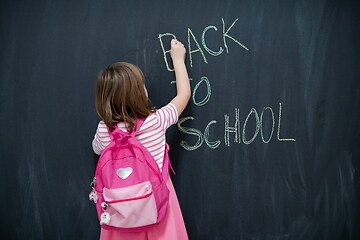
[[234, 129]]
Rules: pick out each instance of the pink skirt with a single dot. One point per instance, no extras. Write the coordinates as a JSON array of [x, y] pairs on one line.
[[172, 227]]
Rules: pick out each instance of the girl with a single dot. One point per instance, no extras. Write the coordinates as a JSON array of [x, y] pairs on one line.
[[121, 97]]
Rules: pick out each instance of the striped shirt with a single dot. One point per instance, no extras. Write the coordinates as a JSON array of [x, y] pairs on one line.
[[151, 134]]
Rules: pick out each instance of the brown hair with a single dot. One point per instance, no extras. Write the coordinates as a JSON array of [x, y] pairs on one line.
[[121, 95]]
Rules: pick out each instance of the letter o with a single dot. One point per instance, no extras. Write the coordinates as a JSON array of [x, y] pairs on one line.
[[208, 88], [253, 110], [261, 123]]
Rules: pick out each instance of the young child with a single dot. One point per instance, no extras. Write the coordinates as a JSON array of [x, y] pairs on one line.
[[121, 97]]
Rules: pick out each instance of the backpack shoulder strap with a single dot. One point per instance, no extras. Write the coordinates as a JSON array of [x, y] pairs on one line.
[[167, 164], [139, 122]]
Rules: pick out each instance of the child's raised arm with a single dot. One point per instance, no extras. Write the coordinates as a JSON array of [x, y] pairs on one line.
[[177, 53]]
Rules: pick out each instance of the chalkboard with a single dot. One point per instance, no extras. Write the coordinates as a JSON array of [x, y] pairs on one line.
[[268, 147]]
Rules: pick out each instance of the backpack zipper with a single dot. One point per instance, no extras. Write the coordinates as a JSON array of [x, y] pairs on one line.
[[129, 199]]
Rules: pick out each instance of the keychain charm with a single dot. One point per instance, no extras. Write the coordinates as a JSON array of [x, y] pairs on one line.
[[105, 218], [93, 196]]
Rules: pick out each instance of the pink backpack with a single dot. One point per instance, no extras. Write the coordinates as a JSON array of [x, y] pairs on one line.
[[129, 190]]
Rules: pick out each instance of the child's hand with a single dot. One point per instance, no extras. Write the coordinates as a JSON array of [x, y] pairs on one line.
[[177, 51]]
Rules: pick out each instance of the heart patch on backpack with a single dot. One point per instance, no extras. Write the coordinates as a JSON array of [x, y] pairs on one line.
[[124, 172]]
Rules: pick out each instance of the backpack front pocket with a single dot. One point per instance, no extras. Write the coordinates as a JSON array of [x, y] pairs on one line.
[[132, 206]]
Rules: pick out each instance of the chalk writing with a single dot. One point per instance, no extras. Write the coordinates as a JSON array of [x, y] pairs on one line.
[[226, 34], [201, 137], [278, 131], [172, 82], [197, 48], [233, 130], [204, 43], [253, 110], [208, 90], [258, 126], [239, 136], [163, 49], [191, 131], [212, 145], [261, 124]]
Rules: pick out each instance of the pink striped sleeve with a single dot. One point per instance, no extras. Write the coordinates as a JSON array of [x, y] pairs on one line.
[[167, 116], [101, 138], [97, 146]]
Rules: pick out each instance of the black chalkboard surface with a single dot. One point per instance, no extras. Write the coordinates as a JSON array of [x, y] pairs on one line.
[[268, 147]]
